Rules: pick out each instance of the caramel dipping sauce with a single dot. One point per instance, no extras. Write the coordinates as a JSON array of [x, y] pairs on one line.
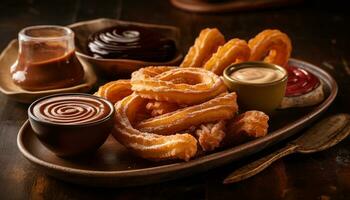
[[131, 42], [46, 59], [257, 75]]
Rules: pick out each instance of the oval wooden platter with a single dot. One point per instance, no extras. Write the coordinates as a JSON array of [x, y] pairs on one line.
[[113, 166]]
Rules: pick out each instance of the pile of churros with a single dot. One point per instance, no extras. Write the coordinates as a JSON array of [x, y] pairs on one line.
[[212, 53], [166, 112]]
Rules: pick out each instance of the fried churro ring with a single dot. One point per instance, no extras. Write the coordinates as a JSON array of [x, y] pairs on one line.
[[273, 43], [205, 45], [186, 86], [148, 145], [115, 90], [234, 51], [220, 108]]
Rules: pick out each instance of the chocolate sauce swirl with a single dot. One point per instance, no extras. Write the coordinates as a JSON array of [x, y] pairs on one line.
[[71, 109], [131, 42]]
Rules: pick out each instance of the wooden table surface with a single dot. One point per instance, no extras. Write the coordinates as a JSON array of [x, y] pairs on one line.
[[320, 34]]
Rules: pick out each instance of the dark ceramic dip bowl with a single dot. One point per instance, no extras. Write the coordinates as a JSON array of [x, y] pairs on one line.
[[115, 67], [71, 124]]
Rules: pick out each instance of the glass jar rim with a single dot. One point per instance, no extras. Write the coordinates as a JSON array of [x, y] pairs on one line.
[[68, 33]]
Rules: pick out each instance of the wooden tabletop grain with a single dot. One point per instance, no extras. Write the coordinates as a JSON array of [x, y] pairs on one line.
[[320, 34]]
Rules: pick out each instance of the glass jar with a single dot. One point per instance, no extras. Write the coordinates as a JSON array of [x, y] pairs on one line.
[[46, 59]]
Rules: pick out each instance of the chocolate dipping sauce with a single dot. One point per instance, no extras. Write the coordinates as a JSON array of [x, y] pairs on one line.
[[71, 109], [131, 42]]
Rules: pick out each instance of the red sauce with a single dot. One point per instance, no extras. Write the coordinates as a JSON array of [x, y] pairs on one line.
[[300, 81]]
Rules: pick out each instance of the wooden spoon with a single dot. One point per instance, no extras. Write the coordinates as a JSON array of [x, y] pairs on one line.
[[323, 135]]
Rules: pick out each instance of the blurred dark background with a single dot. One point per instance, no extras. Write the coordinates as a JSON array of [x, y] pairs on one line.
[[319, 29], [321, 18]]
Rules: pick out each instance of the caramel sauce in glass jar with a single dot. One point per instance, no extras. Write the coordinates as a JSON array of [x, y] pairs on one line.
[[46, 59]]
